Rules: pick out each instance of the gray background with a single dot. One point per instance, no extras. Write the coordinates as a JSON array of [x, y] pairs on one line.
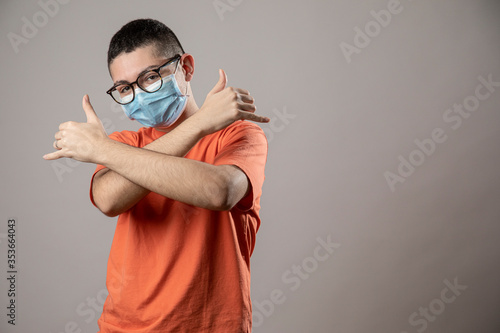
[[338, 127]]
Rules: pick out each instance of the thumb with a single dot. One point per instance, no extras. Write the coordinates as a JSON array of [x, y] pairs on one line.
[[220, 85], [89, 110]]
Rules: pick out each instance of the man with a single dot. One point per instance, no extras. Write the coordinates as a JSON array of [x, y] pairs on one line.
[[186, 187]]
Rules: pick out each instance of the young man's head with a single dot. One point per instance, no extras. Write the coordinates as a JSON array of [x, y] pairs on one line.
[[144, 32], [135, 52]]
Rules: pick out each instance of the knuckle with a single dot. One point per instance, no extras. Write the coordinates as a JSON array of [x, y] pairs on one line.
[[233, 90]]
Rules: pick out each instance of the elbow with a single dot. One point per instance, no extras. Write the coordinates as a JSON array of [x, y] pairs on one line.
[[221, 199], [110, 213], [226, 205], [99, 197], [225, 193], [105, 205], [107, 209]]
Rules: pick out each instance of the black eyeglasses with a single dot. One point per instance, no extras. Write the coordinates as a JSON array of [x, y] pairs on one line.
[[149, 81]]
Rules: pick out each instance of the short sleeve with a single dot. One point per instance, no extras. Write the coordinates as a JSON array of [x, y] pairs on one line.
[[244, 145], [128, 137]]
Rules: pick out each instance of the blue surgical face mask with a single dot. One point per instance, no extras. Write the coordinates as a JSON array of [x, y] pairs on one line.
[[159, 109]]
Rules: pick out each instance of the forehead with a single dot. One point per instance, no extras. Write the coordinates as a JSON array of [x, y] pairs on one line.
[[127, 66]]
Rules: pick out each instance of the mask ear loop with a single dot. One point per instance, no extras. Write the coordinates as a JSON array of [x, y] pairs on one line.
[[178, 62]]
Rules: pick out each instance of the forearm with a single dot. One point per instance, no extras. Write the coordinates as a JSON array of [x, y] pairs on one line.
[[179, 141], [114, 194]]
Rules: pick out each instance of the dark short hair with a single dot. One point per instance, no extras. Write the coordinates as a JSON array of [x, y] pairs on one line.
[[144, 32]]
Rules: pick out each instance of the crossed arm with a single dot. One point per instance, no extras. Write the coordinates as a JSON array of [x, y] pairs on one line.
[[131, 173]]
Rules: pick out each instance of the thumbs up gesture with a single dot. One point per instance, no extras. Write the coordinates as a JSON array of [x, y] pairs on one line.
[[225, 105], [80, 141]]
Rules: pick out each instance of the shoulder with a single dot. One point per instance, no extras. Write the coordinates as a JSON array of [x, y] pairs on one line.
[[242, 136], [242, 128], [244, 124], [132, 137]]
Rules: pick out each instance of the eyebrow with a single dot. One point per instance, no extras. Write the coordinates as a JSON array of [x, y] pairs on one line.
[[142, 72]]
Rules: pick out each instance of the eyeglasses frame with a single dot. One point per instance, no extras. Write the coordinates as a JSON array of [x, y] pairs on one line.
[[136, 82]]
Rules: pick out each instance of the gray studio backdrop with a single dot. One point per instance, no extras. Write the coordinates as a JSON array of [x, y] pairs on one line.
[[380, 210]]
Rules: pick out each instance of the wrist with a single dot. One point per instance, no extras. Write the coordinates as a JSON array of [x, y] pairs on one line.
[[102, 151]]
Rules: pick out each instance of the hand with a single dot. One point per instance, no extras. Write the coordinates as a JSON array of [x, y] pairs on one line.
[[80, 141], [224, 105]]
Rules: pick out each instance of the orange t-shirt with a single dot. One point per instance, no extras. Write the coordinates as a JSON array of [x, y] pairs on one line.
[[174, 267]]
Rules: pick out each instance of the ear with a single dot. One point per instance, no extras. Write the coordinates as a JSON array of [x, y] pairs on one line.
[[187, 65]]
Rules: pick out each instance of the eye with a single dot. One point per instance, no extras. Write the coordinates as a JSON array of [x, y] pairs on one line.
[[151, 77], [123, 89]]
